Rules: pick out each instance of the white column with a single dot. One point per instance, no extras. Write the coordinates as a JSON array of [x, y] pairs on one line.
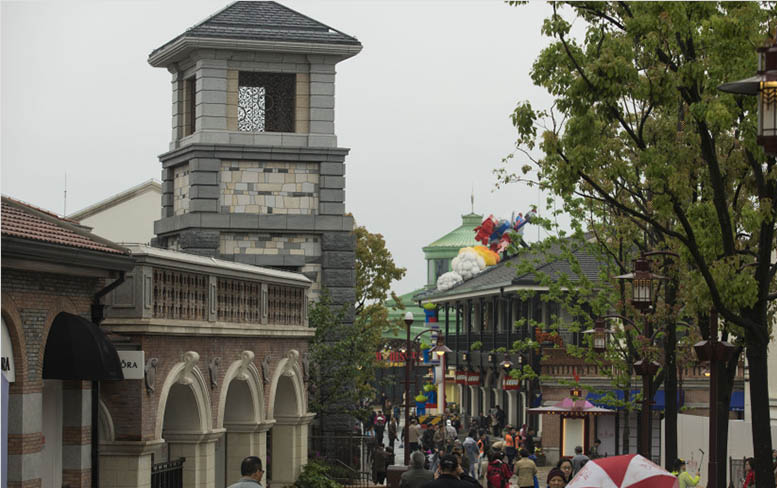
[[512, 407], [289, 448], [199, 469], [126, 464]]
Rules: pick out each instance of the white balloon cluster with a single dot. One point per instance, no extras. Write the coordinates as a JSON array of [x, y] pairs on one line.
[[468, 263], [448, 280]]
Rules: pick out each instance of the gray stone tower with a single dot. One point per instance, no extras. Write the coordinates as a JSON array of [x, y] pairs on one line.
[[254, 173]]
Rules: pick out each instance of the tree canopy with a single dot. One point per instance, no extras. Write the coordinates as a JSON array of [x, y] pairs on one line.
[[639, 134]]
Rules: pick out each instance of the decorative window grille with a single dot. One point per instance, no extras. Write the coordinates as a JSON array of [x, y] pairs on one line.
[[285, 305], [239, 301], [265, 102], [179, 295]]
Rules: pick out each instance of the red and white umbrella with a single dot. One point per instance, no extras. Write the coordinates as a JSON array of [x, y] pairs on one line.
[[628, 471]]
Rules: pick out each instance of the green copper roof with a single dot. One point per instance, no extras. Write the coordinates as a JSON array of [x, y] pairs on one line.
[[462, 236], [397, 314]]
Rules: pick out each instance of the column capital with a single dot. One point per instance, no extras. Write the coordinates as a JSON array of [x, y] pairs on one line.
[[304, 419], [194, 437], [129, 448]]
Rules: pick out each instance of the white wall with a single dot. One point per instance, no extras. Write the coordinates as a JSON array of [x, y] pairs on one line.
[[693, 433], [130, 221]]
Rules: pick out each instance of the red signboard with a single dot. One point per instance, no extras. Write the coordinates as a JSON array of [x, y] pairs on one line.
[[511, 383], [473, 379], [461, 377], [396, 356]]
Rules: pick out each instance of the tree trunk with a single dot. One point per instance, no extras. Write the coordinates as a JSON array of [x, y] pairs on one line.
[[759, 409]]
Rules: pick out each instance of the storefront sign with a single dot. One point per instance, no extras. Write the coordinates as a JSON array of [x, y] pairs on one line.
[[461, 377], [6, 361], [132, 364], [511, 384], [473, 379], [395, 356]]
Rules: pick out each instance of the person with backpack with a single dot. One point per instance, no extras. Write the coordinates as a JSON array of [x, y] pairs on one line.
[[499, 473]]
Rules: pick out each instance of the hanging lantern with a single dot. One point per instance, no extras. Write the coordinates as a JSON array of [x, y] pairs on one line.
[[641, 284], [763, 85], [506, 364]]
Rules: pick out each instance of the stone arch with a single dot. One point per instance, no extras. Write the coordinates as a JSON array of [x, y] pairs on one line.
[[107, 432], [288, 442], [185, 373], [288, 369], [13, 323], [245, 371]]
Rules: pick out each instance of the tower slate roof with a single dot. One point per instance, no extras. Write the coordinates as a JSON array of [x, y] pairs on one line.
[[264, 21]]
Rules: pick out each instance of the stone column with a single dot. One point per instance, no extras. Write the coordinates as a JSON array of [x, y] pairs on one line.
[[289, 449], [199, 469], [77, 433], [486, 399], [24, 435], [126, 464], [245, 440], [512, 407]]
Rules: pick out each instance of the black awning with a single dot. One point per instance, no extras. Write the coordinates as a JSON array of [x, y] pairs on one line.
[[77, 349]]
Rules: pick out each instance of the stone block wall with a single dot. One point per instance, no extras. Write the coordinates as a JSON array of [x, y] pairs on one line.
[[269, 187], [181, 189]]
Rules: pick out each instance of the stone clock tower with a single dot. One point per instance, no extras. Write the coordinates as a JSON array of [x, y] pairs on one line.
[[254, 173]]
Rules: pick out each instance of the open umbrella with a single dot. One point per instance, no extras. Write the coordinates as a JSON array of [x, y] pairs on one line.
[[630, 470]]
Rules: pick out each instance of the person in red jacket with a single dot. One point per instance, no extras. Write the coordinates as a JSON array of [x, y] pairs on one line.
[[749, 473]]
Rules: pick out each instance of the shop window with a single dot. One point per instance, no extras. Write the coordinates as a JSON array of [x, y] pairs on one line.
[[265, 102]]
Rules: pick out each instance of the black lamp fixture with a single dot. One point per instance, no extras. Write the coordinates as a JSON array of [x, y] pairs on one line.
[[599, 342], [465, 356], [506, 364], [440, 349], [642, 284], [764, 86]]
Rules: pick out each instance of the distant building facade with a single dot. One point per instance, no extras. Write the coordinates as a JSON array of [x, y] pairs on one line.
[[127, 216]]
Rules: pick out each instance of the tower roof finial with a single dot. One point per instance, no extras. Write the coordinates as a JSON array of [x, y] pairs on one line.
[[472, 198]]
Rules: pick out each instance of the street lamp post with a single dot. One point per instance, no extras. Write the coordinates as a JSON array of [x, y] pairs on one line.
[[408, 354], [440, 349]]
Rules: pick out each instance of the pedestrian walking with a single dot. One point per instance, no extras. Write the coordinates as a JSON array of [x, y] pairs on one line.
[[251, 472], [593, 453], [565, 466], [749, 473], [472, 453], [556, 479], [416, 476], [379, 458], [499, 473], [510, 439], [447, 475], [392, 432], [380, 425], [525, 470], [684, 479], [579, 460]]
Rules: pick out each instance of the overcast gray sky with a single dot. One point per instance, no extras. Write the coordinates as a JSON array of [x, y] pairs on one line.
[[424, 107]]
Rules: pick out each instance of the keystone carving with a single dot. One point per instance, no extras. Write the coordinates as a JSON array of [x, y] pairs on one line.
[[213, 371], [150, 374], [293, 357], [246, 358], [266, 369], [190, 359]]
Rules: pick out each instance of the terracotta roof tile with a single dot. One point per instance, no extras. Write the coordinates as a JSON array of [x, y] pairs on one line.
[[23, 221]]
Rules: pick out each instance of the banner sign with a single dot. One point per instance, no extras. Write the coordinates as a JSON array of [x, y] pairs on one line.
[[511, 384], [461, 377], [395, 358], [473, 379]]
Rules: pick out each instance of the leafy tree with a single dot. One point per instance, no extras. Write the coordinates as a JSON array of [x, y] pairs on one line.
[[343, 352], [638, 126]]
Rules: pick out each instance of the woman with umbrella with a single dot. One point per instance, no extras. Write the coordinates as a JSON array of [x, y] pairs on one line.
[[630, 470]]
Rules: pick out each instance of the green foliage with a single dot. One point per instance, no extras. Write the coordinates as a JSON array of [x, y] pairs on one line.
[[475, 346], [316, 474], [337, 384], [375, 269]]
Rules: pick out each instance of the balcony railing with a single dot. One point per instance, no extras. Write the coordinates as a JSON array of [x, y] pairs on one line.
[[168, 474], [183, 295]]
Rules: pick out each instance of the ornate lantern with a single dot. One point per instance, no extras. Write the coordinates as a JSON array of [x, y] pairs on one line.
[[641, 284], [764, 85], [506, 364]]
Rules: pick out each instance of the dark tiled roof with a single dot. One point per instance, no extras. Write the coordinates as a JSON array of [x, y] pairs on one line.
[[23, 221], [506, 274], [265, 21]]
